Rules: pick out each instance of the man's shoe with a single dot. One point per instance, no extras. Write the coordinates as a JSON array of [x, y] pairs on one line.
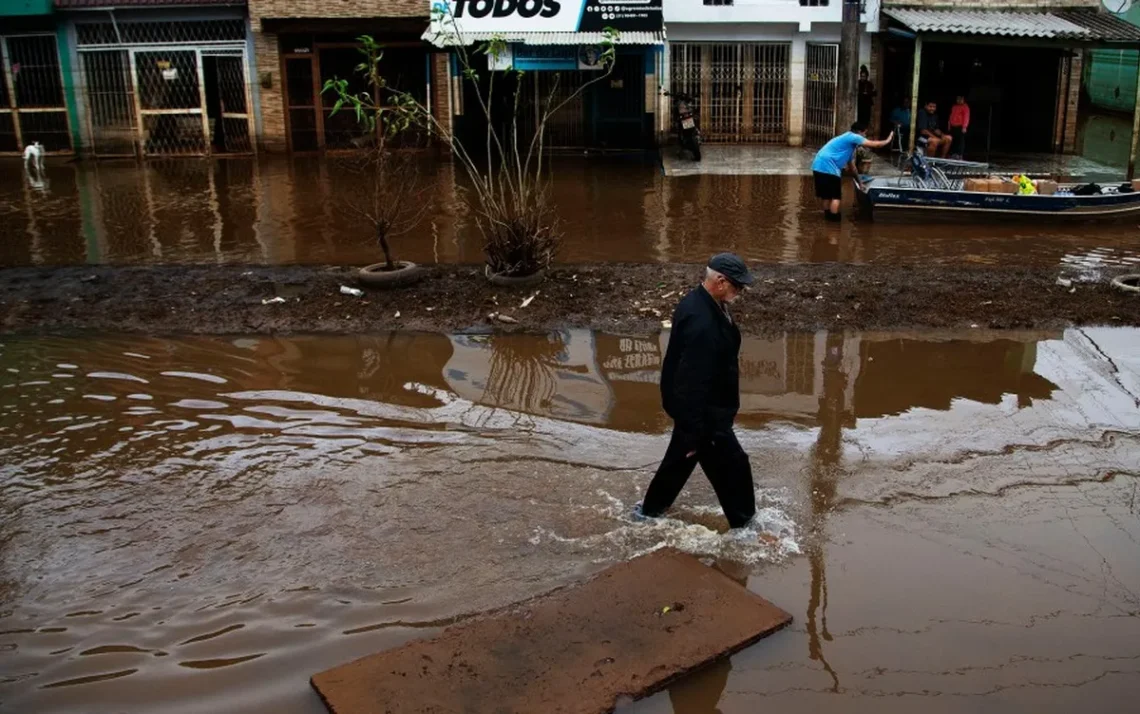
[[639, 515]]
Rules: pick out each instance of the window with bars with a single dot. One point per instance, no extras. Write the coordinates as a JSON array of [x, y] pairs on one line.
[[740, 89], [719, 2], [814, 3]]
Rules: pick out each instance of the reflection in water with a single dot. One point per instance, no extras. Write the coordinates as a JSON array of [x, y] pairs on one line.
[[700, 692], [284, 210], [825, 470], [194, 522]]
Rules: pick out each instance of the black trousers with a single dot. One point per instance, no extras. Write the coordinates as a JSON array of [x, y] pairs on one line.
[[725, 465], [958, 146]]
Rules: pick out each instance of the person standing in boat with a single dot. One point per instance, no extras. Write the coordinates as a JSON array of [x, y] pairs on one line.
[[837, 154]]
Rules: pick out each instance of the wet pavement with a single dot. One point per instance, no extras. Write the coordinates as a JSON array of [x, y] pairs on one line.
[[200, 524], [293, 210]]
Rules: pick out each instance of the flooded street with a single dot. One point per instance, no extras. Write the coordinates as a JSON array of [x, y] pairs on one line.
[[200, 524], [293, 210]]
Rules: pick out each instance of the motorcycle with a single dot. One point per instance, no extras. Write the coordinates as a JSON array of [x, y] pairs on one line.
[[685, 117]]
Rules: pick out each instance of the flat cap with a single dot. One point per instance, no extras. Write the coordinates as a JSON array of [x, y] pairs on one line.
[[732, 267]]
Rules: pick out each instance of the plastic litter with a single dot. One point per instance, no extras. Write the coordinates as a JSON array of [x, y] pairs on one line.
[[355, 292], [273, 301]]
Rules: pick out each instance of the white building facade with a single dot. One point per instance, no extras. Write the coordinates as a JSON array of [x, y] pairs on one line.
[[762, 71]]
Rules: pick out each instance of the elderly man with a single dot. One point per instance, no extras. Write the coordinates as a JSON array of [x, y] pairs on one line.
[[700, 390]]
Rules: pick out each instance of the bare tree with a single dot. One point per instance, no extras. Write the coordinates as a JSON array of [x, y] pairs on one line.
[[510, 180], [388, 192]]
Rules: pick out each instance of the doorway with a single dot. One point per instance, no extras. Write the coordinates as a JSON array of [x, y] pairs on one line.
[[820, 86], [227, 113], [164, 102]]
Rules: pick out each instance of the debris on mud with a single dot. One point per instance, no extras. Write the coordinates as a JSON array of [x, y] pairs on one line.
[[615, 297]]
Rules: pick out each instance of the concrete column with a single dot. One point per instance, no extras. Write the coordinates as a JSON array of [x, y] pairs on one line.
[[914, 89], [850, 54], [270, 91], [878, 76], [797, 86]]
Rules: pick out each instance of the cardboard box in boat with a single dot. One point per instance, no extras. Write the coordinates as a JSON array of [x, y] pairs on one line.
[[1136, 184], [1046, 187], [998, 185], [977, 184]]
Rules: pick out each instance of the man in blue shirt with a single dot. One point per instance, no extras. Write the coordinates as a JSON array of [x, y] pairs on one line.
[[837, 154]]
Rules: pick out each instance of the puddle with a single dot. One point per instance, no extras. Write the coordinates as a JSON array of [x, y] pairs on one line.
[[286, 210], [946, 514]]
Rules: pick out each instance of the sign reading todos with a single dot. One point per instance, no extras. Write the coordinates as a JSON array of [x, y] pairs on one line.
[[451, 17]]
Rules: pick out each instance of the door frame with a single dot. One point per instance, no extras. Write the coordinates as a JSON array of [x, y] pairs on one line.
[[314, 57], [223, 49]]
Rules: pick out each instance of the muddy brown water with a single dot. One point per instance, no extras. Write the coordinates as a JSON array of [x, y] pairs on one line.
[[292, 210], [200, 524]]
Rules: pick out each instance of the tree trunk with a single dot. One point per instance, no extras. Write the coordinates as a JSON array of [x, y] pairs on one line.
[[384, 247]]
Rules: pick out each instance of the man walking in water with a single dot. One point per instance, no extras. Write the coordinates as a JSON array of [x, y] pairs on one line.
[[827, 168], [700, 390]]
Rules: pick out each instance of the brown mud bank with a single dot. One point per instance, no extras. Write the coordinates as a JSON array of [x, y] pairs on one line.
[[231, 299]]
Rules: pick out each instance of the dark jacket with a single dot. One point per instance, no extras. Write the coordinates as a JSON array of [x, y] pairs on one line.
[[700, 378]]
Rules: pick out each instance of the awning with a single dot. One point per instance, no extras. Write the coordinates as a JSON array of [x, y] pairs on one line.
[[543, 38], [1084, 26]]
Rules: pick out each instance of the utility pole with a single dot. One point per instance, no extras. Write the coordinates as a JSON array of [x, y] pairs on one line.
[[847, 86]]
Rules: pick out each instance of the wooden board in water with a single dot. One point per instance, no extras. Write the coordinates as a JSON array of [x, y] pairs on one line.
[[574, 651]]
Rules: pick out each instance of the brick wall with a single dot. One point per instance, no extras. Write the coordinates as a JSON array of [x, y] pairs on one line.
[[259, 9], [268, 60], [441, 89], [1076, 70]]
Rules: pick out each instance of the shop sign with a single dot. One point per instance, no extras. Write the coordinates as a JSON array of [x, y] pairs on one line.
[[456, 17], [548, 57]]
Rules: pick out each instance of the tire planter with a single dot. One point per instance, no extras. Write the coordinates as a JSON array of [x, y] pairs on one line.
[[1127, 283], [376, 276], [512, 281]]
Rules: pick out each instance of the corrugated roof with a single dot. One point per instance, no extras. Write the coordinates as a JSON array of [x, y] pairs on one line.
[[83, 4], [1008, 23], [544, 38], [1103, 26]]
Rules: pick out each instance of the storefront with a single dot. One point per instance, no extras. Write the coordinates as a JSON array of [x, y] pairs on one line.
[[553, 50], [1019, 71], [310, 58], [162, 82], [33, 101]]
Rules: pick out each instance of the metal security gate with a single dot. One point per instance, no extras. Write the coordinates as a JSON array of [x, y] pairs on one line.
[[819, 93], [173, 88], [741, 88], [112, 125], [540, 90], [170, 101], [32, 107]]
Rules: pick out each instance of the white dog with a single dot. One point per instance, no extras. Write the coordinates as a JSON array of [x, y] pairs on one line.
[[34, 157]]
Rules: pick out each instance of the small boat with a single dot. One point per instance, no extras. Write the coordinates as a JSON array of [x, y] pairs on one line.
[[936, 189]]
